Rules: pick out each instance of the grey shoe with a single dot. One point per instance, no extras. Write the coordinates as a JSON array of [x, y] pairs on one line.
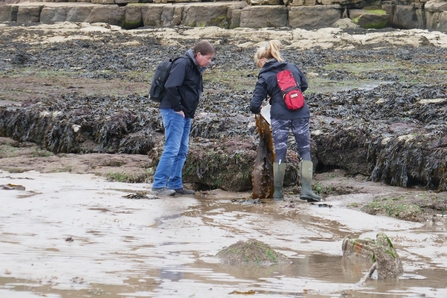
[[163, 191], [183, 191]]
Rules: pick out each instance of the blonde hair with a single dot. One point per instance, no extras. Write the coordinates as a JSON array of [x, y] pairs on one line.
[[269, 50]]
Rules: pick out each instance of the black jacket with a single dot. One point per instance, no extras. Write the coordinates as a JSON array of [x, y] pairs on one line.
[[267, 85], [184, 86]]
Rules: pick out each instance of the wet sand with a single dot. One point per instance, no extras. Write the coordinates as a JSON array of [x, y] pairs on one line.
[[70, 235]]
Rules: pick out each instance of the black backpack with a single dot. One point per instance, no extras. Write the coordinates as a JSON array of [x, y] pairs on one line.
[[157, 90]]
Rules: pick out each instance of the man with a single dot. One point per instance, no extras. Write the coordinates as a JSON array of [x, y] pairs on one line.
[[183, 89]]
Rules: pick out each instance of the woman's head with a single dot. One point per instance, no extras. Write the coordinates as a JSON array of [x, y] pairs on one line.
[[204, 53], [268, 51]]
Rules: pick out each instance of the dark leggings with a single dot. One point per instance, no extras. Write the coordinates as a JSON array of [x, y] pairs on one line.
[[300, 129]]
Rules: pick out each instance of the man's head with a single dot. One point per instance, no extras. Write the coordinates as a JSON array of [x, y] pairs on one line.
[[204, 53]]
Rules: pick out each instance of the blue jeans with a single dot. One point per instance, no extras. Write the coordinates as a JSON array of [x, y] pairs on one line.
[[170, 166]]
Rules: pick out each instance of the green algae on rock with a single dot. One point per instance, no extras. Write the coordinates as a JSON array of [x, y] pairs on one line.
[[380, 252], [251, 252]]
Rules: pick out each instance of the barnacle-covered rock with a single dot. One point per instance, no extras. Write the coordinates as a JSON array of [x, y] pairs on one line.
[[380, 252]]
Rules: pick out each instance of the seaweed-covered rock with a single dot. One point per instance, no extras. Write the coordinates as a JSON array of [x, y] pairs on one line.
[[251, 252], [394, 133], [225, 164], [379, 252], [80, 124]]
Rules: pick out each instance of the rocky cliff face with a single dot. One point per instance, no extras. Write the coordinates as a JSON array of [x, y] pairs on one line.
[[305, 14]]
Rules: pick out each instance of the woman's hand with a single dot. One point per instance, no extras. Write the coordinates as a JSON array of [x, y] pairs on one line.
[[181, 113]]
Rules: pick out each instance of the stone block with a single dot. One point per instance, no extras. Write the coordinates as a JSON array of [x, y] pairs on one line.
[[79, 13], [102, 1], [5, 13], [205, 15], [51, 15], [110, 14], [436, 21], [171, 16], [133, 17], [314, 17], [30, 13], [234, 15], [442, 24], [263, 2], [264, 16], [151, 15], [352, 3], [435, 6], [327, 2], [174, 1], [375, 21], [119, 2], [301, 2], [366, 19], [405, 17], [389, 9]]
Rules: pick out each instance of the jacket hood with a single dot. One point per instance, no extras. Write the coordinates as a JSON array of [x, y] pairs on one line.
[[272, 64], [190, 54]]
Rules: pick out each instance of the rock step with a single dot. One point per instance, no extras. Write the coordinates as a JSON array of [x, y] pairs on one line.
[[226, 14]]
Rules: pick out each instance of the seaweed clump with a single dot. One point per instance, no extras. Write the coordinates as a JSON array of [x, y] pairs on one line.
[[394, 133], [251, 252]]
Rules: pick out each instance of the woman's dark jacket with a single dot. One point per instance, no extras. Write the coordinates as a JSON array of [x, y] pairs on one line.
[[184, 86], [267, 85]]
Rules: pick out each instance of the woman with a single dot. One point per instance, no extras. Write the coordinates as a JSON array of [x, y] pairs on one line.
[[183, 89], [268, 58]]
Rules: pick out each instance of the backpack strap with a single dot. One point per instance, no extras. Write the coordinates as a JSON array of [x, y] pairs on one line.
[[190, 64], [188, 60], [289, 66]]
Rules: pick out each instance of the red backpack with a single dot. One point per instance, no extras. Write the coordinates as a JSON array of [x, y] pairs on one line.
[[290, 89]]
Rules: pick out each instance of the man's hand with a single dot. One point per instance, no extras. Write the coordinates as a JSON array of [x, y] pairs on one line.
[[181, 113]]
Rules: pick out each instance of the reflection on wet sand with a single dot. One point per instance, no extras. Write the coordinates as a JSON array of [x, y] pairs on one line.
[[123, 247]]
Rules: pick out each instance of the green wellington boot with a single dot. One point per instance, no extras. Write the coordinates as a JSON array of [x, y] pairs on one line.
[[278, 177], [306, 183]]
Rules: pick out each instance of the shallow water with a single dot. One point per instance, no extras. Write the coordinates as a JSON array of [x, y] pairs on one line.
[[70, 235]]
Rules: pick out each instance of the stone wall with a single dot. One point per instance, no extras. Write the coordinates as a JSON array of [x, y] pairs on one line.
[[305, 14]]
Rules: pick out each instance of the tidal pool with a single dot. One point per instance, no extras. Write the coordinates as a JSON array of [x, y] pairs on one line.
[[70, 235]]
